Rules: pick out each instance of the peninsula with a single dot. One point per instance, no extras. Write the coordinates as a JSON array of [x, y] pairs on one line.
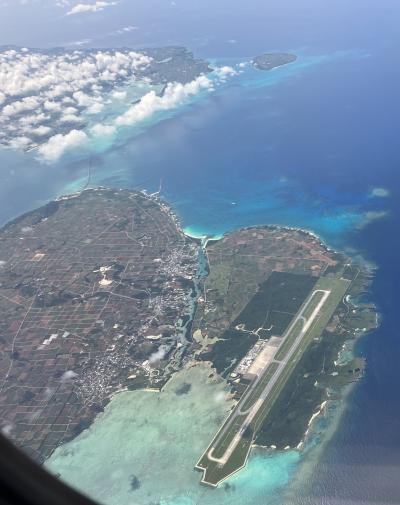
[[275, 315]]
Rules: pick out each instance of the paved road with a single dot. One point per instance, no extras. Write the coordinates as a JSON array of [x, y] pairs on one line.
[[252, 411]]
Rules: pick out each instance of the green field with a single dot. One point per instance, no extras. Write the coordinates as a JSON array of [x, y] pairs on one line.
[[277, 300], [214, 473]]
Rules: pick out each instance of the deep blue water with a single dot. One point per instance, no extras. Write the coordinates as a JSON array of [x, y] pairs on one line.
[[305, 148]]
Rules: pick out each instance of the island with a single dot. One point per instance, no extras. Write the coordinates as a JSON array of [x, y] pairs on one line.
[[101, 291], [268, 61], [172, 64]]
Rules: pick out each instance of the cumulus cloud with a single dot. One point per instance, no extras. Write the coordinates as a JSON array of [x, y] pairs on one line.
[[82, 42], [20, 142], [95, 108], [68, 375], [220, 397], [94, 7], [158, 355], [32, 119], [26, 229], [119, 95], [23, 73], [224, 72], [42, 92], [49, 99], [50, 106], [70, 118], [102, 130], [174, 94], [57, 145], [125, 29], [28, 103], [6, 429], [48, 393], [41, 131]]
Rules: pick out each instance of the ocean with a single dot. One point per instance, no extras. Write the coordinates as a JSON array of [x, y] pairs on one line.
[[313, 145]]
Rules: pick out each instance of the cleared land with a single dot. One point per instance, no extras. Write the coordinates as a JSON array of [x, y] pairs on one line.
[[86, 282], [228, 451], [268, 313]]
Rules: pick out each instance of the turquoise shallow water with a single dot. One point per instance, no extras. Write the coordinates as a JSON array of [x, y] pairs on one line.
[[220, 174], [209, 203], [329, 130], [156, 438], [263, 148]]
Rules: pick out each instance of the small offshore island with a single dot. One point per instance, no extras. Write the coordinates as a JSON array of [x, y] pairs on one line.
[[101, 291], [268, 61]]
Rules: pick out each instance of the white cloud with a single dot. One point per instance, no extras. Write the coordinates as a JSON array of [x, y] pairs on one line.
[[68, 375], [82, 99], [7, 429], [52, 106], [57, 88], [33, 73], [95, 108], [33, 119], [82, 42], [224, 72], [48, 393], [125, 29], [27, 103], [43, 92], [20, 142], [57, 145], [70, 118], [119, 95], [220, 397], [101, 130], [41, 131], [95, 7], [174, 94], [93, 104], [158, 355]]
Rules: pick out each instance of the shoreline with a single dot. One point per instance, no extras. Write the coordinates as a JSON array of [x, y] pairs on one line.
[[202, 241], [318, 438]]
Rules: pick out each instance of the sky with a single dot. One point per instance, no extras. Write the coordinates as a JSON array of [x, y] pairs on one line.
[[208, 27]]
